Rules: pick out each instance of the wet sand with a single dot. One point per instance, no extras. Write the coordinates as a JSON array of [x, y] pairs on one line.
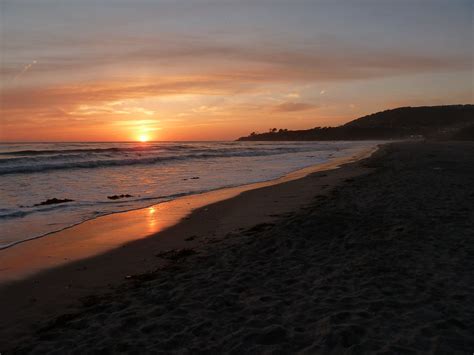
[[379, 261], [43, 278]]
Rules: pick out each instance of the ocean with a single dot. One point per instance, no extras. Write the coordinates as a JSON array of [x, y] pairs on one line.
[[104, 178]]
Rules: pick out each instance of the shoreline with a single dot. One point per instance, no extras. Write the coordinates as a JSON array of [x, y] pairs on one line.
[[63, 190], [301, 172], [59, 289], [70, 238]]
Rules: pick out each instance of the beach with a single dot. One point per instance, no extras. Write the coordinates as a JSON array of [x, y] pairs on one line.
[[66, 184], [375, 256]]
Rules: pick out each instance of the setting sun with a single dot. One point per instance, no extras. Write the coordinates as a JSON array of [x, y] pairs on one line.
[[143, 138]]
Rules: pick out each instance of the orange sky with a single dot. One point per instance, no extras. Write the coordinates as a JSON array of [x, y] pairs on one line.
[[89, 72]]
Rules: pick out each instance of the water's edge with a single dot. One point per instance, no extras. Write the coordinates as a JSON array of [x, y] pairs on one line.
[[293, 175]]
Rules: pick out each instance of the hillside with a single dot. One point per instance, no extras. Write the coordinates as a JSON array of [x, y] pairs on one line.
[[404, 122]]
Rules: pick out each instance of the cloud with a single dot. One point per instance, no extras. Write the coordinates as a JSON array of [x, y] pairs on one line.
[[294, 107], [206, 109], [99, 103], [88, 82], [275, 61], [91, 95]]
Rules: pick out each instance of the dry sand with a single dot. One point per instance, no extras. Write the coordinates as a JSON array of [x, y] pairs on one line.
[[383, 263]]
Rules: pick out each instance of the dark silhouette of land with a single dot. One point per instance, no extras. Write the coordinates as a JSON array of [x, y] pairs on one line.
[[440, 122]]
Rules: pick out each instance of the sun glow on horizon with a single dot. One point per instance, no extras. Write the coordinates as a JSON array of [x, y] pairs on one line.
[[143, 138]]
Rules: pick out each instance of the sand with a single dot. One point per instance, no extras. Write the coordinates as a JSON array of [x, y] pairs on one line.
[[44, 278], [381, 262]]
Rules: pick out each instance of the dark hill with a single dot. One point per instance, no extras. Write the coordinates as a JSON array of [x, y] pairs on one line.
[[403, 122]]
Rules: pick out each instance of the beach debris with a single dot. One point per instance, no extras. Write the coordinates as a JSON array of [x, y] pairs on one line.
[[116, 197], [176, 254], [195, 178], [52, 201]]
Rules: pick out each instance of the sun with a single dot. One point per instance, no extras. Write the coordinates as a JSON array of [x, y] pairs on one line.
[[143, 138]]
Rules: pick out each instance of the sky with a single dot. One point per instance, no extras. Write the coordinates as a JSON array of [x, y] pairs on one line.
[[116, 70]]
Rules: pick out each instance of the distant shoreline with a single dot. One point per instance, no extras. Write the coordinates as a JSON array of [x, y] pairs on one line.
[[433, 122]]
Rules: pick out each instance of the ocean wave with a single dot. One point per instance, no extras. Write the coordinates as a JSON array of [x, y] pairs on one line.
[[143, 148], [15, 214], [140, 148], [91, 164], [27, 210]]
